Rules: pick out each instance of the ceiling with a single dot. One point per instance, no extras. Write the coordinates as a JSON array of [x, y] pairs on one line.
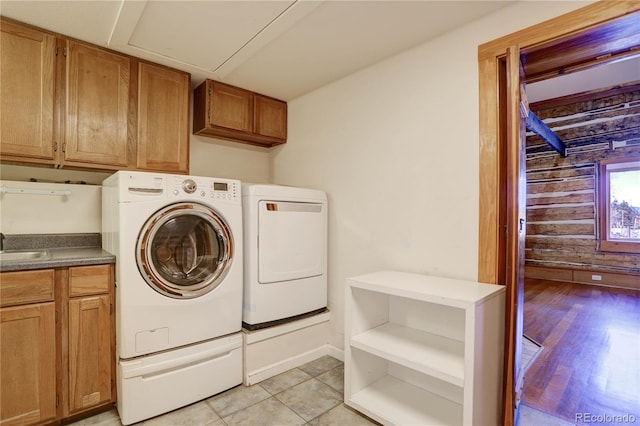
[[598, 77], [281, 48]]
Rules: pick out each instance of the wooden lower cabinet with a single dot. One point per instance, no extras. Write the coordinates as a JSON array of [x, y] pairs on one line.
[[89, 352], [57, 356], [27, 364]]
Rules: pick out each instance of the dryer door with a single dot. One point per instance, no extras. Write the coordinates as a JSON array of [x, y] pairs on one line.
[[184, 250], [292, 240]]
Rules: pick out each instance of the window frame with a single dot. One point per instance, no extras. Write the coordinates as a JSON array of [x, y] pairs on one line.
[[606, 244]]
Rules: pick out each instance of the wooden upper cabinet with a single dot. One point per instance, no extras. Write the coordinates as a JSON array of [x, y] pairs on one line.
[[27, 81], [97, 104], [229, 112], [163, 119], [270, 117], [65, 102], [230, 107]]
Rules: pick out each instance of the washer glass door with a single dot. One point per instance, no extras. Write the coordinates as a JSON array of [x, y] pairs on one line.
[[184, 250]]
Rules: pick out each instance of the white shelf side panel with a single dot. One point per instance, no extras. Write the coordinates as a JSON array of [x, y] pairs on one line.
[[427, 353], [399, 403], [486, 362]]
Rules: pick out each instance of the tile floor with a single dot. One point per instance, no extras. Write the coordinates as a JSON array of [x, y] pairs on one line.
[[311, 394]]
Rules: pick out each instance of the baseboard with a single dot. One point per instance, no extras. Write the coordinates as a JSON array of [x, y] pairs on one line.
[[599, 277], [253, 377], [337, 353]]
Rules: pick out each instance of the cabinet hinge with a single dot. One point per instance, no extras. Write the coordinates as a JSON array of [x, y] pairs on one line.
[[64, 147], [209, 112], [64, 51], [210, 91], [56, 50], [55, 147], [57, 400]]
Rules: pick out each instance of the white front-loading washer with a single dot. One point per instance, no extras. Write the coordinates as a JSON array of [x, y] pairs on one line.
[[179, 277]]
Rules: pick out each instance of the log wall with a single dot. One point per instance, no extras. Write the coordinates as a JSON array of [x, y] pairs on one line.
[[562, 193]]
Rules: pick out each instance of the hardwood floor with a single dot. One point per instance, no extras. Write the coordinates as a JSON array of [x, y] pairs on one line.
[[590, 364]]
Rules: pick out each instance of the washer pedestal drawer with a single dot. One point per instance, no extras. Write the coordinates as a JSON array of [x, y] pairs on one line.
[[147, 385]]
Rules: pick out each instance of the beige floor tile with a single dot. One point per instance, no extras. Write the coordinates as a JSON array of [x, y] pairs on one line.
[[334, 378], [237, 398], [108, 418], [198, 414], [310, 399], [320, 365], [265, 413], [341, 416], [284, 381]]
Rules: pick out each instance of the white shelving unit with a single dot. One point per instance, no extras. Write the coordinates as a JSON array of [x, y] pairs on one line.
[[423, 350]]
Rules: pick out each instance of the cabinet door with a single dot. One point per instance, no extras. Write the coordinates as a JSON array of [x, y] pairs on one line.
[[28, 368], [27, 74], [163, 119], [97, 106], [270, 117], [89, 352], [230, 107]]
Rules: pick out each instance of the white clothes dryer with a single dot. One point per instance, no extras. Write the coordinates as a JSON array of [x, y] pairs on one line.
[[179, 277], [285, 253]]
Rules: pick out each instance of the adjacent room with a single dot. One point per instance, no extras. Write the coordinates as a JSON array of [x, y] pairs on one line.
[[581, 311]]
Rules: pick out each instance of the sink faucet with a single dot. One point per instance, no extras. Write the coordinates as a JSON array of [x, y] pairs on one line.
[[1, 242]]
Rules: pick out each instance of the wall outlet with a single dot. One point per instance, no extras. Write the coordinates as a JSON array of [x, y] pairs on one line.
[[596, 277]]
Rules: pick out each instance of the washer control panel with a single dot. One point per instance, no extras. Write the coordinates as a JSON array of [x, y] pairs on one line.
[[205, 188]]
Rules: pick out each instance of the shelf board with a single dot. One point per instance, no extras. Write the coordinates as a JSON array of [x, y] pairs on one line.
[[427, 353], [443, 291], [393, 401]]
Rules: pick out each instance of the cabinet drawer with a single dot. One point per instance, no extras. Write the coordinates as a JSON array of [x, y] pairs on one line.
[[84, 280], [22, 287]]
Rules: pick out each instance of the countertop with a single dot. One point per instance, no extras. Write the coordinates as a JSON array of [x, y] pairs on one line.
[[59, 250]]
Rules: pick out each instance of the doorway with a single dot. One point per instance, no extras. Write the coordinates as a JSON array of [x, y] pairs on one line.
[[574, 303], [550, 49]]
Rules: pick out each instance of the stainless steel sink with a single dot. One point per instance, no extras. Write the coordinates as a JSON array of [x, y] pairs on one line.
[[10, 256]]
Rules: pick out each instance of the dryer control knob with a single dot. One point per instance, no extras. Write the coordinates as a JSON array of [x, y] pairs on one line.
[[189, 186]]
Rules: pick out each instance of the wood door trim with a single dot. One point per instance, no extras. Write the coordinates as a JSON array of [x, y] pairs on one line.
[[491, 140], [492, 252]]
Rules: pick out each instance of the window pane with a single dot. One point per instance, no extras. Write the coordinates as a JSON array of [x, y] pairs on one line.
[[624, 214]]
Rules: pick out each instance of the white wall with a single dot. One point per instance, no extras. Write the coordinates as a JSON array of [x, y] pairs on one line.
[[79, 212], [396, 148], [233, 160]]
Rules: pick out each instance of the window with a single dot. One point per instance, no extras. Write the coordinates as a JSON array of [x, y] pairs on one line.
[[620, 205]]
